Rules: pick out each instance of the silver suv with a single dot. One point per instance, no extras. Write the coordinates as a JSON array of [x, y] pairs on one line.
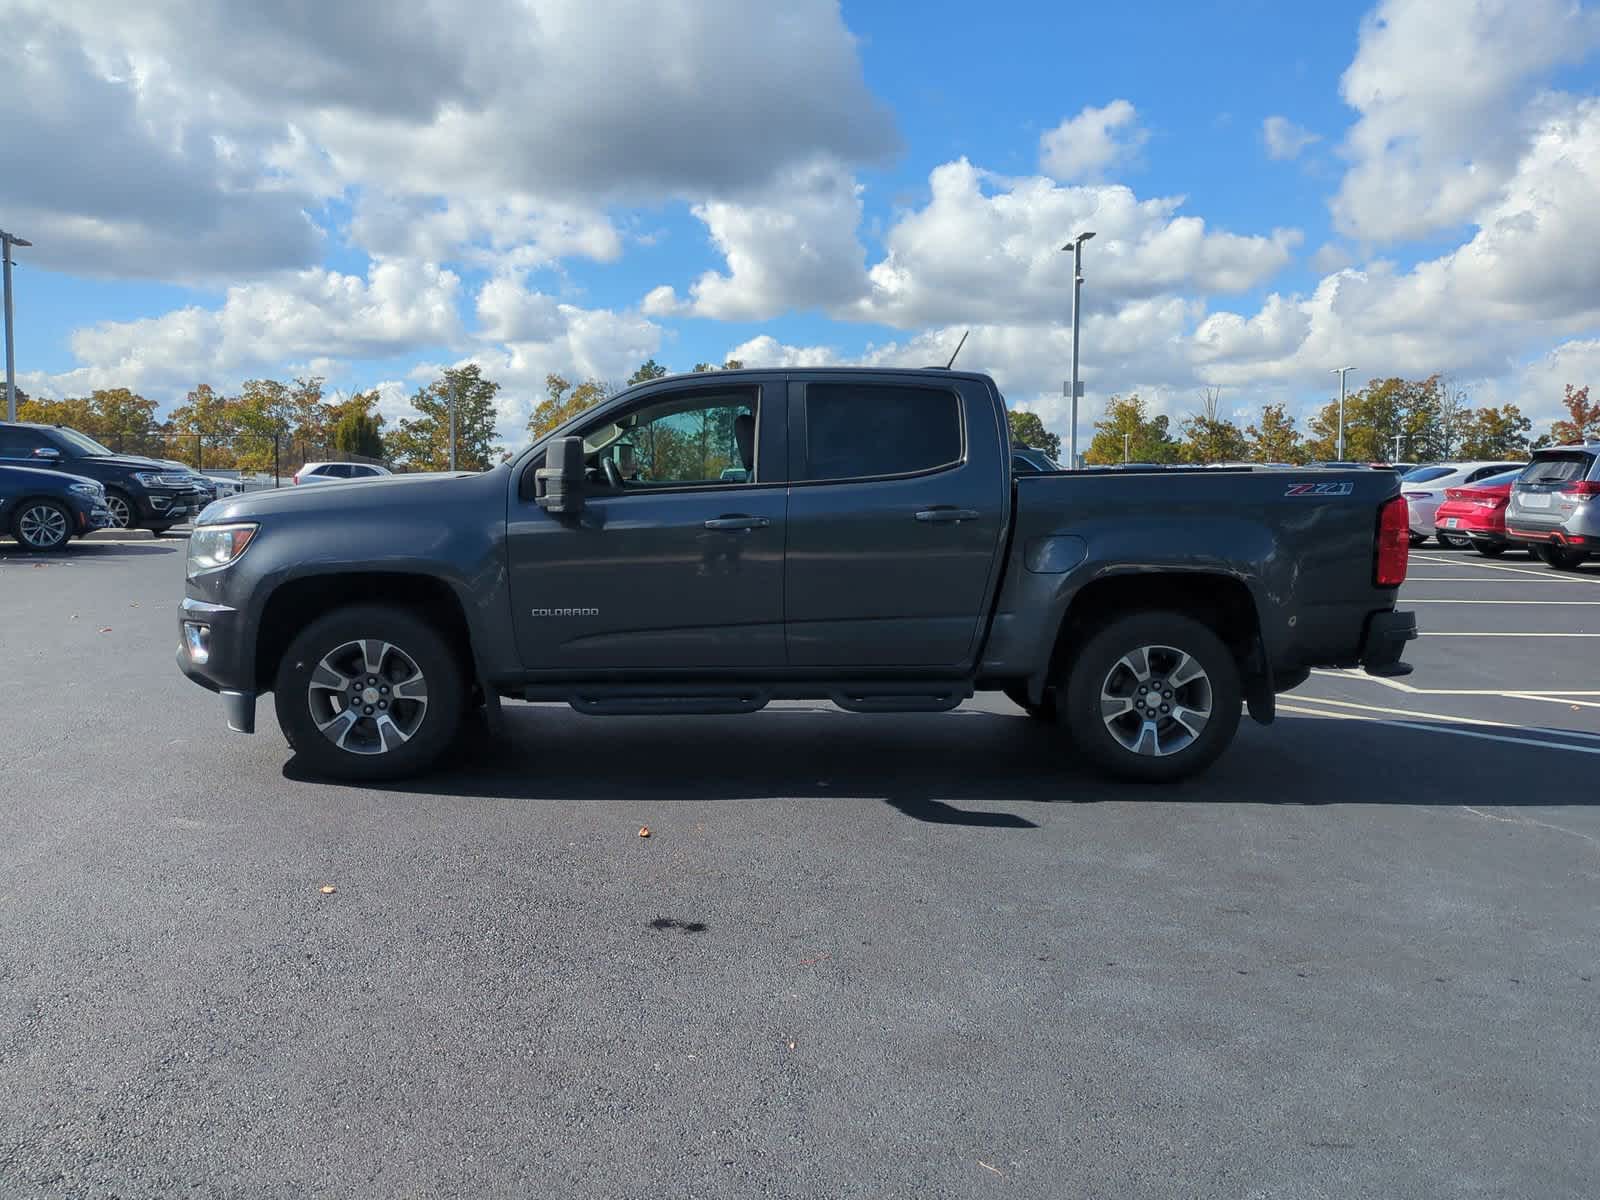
[[1555, 505]]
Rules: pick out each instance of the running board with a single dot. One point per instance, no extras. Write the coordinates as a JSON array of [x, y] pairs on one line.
[[647, 700]]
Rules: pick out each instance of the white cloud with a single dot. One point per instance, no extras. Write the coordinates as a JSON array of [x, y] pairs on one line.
[[186, 139], [793, 247], [981, 252], [766, 351], [1285, 139], [1095, 140], [1331, 257], [1444, 97]]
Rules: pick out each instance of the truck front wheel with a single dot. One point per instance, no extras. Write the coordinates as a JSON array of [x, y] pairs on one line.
[[369, 693], [1152, 697]]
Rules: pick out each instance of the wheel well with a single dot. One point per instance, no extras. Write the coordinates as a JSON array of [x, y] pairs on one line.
[[297, 603], [1222, 604]]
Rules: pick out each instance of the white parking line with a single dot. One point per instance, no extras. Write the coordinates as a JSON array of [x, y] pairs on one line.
[[1534, 743], [1428, 634], [1412, 690], [1563, 603], [1537, 572], [1433, 716], [1474, 579]]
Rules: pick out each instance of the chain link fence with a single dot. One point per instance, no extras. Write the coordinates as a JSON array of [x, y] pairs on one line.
[[264, 460]]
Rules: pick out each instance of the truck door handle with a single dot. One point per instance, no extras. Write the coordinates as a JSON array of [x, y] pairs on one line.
[[738, 522], [948, 516]]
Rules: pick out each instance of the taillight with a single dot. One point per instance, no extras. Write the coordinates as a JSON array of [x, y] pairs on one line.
[[1394, 544], [1582, 489], [1417, 495], [1455, 494], [295, 478]]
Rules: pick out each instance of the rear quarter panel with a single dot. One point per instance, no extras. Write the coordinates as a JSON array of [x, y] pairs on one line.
[[1306, 559]]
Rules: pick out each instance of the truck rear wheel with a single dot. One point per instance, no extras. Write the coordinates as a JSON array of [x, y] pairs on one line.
[[369, 693], [1152, 697]]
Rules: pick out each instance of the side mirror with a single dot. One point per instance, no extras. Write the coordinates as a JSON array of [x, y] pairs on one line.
[[558, 485], [48, 452]]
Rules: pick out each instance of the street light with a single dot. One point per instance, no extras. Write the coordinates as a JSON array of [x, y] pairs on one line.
[[1076, 246], [1341, 372], [6, 242]]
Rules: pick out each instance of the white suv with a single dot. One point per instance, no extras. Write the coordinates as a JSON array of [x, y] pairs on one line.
[[338, 472]]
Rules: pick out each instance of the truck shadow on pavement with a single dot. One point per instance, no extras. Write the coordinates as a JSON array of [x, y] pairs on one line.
[[79, 552], [968, 769]]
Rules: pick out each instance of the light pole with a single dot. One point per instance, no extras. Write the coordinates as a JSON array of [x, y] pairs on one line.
[[454, 387], [1076, 246], [1341, 372], [6, 242], [1125, 438]]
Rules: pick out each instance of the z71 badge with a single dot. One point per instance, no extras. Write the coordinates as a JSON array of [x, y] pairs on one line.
[[1320, 489]]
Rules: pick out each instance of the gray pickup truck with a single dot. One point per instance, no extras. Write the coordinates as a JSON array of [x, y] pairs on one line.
[[709, 543]]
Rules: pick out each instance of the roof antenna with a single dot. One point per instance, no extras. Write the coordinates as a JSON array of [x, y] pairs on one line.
[[959, 344]]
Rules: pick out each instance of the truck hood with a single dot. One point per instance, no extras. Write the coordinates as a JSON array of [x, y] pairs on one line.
[[382, 495], [129, 462]]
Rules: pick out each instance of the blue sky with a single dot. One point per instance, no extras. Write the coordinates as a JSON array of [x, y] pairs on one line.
[[1431, 207]]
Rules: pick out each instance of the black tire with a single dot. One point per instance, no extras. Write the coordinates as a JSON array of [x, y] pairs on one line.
[[1559, 557], [41, 526], [158, 530], [1490, 549], [409, 638], [1452, 541], [1417, 539], [1045, 710], [1095, 668]]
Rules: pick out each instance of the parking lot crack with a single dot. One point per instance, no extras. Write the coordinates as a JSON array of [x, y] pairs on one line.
[[1488, 816]]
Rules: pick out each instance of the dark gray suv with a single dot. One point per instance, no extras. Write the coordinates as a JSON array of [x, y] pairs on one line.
[[1555, 505]]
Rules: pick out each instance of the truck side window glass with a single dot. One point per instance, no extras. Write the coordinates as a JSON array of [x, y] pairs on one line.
[[685, 441], [863, 430]]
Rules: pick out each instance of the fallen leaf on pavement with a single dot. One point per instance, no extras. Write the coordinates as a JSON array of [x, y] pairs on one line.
[[987, 1167], [105, 629], [328, 889], [644, 831]]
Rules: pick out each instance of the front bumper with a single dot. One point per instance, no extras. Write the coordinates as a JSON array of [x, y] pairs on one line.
[[1385, 641], [211, 652], [161, 507]]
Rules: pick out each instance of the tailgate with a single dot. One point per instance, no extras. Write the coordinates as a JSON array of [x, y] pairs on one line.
[[1536, 499]]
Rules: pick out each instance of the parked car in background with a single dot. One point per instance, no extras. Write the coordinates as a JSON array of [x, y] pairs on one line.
[[44, 510], [1026, 460], [338, 472], [140, 492], [1424, 490], [1555, 505], [1475, 515]]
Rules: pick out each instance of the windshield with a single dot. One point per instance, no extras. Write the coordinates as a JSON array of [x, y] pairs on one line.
[[1427, 474], [82, 443]]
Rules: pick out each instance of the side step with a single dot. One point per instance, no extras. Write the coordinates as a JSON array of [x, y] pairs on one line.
[[676, 699]]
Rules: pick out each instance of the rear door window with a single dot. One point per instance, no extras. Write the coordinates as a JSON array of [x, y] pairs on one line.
[[871, 430]]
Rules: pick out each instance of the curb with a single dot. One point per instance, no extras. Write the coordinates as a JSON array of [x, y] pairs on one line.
[[119, 535]]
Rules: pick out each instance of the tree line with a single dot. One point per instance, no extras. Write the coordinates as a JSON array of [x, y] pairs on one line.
[[1389, 420]]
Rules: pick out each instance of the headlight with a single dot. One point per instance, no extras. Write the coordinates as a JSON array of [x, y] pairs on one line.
[[86, 489], [147, 478], [213, 546]]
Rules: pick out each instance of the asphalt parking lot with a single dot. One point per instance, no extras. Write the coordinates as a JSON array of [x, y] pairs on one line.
[[908, 956]]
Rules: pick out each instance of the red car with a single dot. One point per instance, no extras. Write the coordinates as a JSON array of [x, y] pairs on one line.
[[1476, 514]]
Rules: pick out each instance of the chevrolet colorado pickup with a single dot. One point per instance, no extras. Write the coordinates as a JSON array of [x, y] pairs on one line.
[[710, 543]]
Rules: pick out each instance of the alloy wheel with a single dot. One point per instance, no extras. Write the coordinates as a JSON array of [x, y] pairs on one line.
[[367, 696], [1156, 701], [121, 511], [43, 526]]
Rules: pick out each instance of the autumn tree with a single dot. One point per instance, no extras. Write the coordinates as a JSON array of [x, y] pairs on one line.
[[733, 364], [563, 402], [423, 444], [648, 370], [1583, 418], [1210, 437], [1378, 415], [1494, 433], [1273, 438], [1148, 439], [1028, 430]]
